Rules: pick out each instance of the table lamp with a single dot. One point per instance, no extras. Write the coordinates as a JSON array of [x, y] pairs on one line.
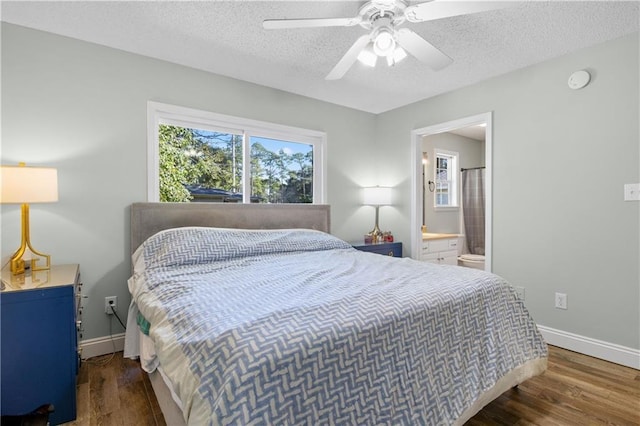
[[376, 196], [23, 185]]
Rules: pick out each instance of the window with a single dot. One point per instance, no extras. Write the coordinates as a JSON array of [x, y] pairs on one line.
[[200, 156], [446, 179]]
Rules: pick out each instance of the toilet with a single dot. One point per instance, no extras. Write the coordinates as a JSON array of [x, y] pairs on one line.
[[471, 261]]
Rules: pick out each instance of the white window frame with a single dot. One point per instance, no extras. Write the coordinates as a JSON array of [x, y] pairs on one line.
[[454, 170], [161, 113]]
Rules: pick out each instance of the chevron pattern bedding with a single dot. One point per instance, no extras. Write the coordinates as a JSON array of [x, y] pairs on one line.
[[297, 327]]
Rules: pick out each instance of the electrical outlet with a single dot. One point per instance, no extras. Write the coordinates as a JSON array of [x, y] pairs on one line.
[[110, 301], [561, 301]]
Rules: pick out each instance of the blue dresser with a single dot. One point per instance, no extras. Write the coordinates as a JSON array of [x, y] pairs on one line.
[[39, 320]]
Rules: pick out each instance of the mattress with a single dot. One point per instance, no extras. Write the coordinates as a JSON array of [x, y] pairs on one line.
[[295, 326]]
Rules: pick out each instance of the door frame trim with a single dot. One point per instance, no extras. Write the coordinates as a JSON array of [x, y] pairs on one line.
[[417, 202]]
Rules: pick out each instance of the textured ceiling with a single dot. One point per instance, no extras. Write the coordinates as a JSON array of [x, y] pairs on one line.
[[227, 38]]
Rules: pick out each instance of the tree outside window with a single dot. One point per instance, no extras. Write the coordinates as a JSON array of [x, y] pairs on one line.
[[203, 165]]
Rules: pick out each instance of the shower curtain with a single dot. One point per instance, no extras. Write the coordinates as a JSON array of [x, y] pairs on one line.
[[473, 208]]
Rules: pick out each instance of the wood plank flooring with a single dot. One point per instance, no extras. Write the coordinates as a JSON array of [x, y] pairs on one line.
[[575, 390], [113, 390]]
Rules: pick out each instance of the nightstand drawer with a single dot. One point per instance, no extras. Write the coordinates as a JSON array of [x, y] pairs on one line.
[[387, 249]]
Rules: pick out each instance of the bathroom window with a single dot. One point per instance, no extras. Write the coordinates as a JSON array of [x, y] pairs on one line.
[[446, 179]]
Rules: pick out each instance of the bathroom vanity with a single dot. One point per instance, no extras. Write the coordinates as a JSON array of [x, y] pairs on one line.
[[441, 248]]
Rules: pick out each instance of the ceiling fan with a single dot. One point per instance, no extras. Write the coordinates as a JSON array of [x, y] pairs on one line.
[[382, 18]]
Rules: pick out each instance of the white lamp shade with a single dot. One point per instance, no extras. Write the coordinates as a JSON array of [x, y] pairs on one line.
[[377, 196], [22, 184]]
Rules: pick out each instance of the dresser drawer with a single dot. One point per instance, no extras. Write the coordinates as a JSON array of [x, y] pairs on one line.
[[386, 249]]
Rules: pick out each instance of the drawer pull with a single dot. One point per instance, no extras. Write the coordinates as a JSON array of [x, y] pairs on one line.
[[390, 254]]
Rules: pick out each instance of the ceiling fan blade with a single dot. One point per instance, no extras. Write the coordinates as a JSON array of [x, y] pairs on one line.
[[349, 58], [430, 11], [279, 24], [422, 49]]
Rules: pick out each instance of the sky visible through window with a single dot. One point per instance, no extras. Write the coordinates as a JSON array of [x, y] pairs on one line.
[[289, 148], [273, 145]]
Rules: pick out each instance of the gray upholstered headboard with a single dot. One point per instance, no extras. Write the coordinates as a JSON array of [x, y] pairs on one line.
[[150, 218]]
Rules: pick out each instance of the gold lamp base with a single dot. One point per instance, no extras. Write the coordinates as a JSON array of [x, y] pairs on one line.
[[376, 234], [17, 262]]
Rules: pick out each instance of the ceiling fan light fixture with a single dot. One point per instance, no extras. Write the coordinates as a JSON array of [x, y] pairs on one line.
[[384, 44], [367, 57], [390, 61], [382, 19], [398, 55]]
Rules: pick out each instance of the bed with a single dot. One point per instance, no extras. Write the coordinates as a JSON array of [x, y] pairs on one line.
[[255, 314]]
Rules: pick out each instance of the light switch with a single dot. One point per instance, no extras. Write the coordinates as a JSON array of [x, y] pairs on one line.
[[632, 192]]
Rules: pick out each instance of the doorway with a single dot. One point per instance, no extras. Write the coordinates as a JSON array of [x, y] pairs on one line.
[[418, 194]]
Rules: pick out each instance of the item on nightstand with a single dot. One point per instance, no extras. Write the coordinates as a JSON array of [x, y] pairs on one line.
[[387, 237], [23, 185], [368, 239], [376, 196]]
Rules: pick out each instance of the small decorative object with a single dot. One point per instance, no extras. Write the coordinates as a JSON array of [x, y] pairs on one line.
[[368, 239], [388, 237]]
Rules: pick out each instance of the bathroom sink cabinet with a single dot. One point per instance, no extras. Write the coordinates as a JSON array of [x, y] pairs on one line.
[[440, 250]]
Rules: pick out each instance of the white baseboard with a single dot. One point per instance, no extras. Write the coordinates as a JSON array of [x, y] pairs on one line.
[[596, 348], [102, 345], [585, 345]]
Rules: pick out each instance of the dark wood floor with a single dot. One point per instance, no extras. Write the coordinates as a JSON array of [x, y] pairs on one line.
[[575, 390]]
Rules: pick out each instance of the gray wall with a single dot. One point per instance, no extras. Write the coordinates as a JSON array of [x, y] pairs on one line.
[[560, 160], [81, 108], [471, 154], [559, 220]]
